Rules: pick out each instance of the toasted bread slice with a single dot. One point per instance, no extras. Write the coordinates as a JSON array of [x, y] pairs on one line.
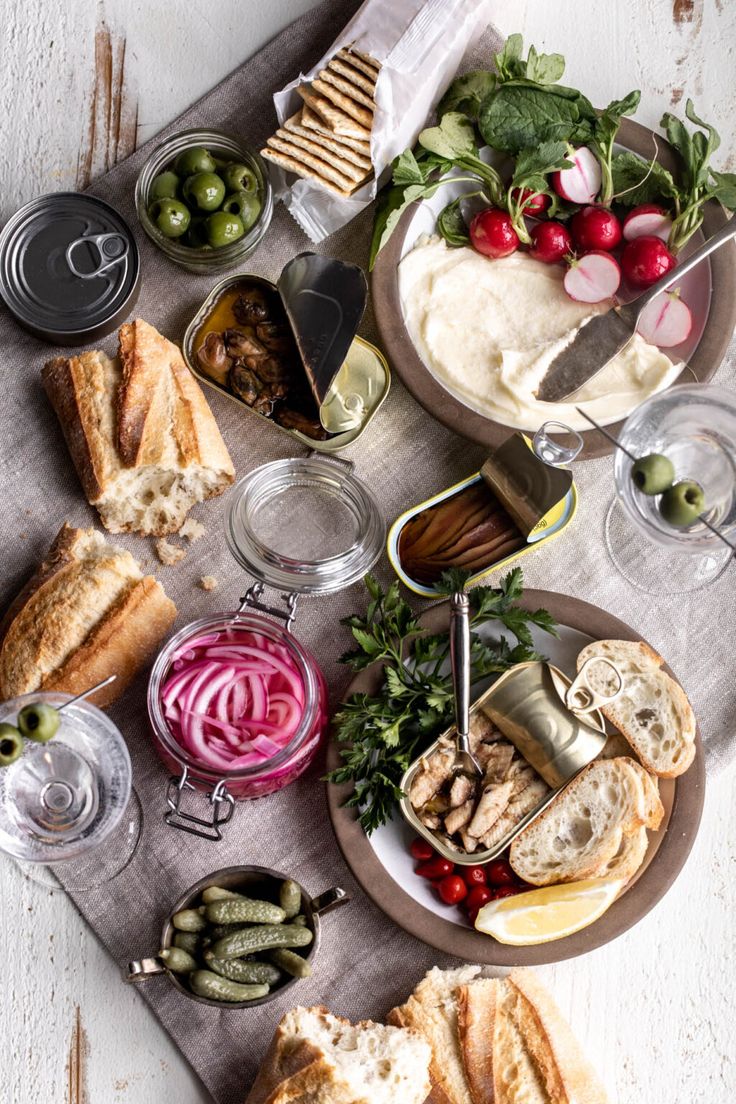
[[583, 828]]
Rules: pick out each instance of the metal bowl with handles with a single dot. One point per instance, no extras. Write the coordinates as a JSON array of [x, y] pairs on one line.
[[259, 882]]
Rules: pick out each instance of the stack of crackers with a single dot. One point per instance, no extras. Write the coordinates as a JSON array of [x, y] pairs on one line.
[[329, 139]]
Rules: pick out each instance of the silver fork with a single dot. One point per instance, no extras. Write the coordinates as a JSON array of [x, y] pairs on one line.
[[464, 761]]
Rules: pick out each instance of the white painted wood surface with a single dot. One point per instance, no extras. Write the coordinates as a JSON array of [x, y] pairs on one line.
[[655, 1008]]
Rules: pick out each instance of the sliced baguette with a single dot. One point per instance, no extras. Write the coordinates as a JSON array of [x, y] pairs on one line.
[[432, 1010], [477, 1004], [653, 712], [583, 828]]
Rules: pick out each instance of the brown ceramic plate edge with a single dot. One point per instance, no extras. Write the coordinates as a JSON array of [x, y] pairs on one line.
[[474, 426], [637, 900]]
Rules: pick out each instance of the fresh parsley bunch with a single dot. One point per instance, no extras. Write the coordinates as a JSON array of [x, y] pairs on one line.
[[381, 734]]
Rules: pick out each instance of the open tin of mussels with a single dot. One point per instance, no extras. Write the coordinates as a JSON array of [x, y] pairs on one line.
[[289, 351], [554, 723]]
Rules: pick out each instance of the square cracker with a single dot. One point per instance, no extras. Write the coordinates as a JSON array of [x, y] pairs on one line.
[[366, 64], [292, 164], [324, 168], [347, 104], [309, 145], [312, 121], [360, 80], [347, 88], [334, 119], [328, 142]]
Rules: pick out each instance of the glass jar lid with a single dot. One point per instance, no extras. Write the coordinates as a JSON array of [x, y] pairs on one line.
[[305, 525]]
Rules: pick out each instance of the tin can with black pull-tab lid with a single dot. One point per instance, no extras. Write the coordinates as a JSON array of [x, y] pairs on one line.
[[69, 268]]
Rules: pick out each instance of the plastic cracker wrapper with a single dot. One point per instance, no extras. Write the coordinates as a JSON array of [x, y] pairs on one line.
[[419, 45]]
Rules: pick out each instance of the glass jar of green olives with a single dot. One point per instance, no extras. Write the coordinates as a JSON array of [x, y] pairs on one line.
[[205, 199]]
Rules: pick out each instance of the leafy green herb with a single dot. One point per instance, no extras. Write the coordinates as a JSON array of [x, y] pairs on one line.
[[520, 116], [530, 174], [381, 734], [636, 181], [605, 129], [467, 93], [451, 224]]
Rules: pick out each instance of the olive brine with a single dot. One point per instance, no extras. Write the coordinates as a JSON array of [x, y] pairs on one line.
[[232, 948], [203, 201]]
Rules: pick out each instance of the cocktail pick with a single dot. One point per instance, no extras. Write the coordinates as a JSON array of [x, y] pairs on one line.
[[86, 693], [617, 444]]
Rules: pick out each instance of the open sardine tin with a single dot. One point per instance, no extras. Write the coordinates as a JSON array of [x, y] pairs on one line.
[[539, 499], [324, 300], [527, 704]]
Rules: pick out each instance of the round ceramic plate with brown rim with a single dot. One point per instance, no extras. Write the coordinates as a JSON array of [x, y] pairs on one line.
[[384, 868], [709, 290]]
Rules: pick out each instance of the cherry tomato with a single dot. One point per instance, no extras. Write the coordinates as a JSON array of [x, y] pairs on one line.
[[506, 891], [479, 895], [435, 868], [452, 889], [499, 873], [474, 875], [421, 850]]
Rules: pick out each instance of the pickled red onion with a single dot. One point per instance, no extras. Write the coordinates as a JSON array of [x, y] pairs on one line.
[[233, 699]]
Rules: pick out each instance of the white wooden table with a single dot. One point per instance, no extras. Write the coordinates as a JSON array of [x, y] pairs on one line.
[[84, 84]]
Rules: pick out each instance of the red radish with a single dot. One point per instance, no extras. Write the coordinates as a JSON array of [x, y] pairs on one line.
[[551, 241], [593, 277], [595, 228], [534, 202], [582, 182], [645, 260], [666, 321], [649, 221], [492, 233]]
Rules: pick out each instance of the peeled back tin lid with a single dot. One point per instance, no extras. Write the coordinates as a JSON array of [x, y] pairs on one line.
[[69, 268], [306, 525], [324, 301]]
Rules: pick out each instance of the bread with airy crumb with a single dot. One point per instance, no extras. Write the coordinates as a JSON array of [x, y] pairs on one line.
[[142, 437], [653, 712], [86, 613]]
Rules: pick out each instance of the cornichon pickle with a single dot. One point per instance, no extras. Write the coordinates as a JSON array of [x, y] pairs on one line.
[[244, 910], [290, 898], [300, 920], [216, 893], [178, 960], [187, 941], [207, 984], [190, 920], [291, 962], [264, 938], [262, 973]]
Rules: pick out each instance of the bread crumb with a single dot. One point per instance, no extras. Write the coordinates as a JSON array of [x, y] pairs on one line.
[[169, 554], [208, 582], [192, 530]]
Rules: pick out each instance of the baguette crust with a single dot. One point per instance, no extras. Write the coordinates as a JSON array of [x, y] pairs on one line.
[[477, 1005]]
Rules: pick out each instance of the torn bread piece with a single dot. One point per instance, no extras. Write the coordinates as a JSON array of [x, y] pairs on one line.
[[207, 582], [169, 554], [192, 530]]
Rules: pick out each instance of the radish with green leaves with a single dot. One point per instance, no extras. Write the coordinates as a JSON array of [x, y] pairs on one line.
[[666, 321], [647, 220], [492, 233], [592, 278], [582, 181]]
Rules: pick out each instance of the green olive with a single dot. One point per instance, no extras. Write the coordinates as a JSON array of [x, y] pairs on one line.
[[653, 474], [683, 503], [239, 178], [196, 159], [38, 721], [204, 191], [170, 216], [11, 744], [245, 204], [164, 186], [196, 235], [223, 228]]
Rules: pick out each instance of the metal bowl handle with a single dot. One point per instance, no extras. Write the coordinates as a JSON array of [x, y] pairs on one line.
[[329, 900], [142, 969], [221, 801]]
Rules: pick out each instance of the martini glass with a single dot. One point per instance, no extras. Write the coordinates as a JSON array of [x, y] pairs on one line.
[[694, 425], [62, 800]]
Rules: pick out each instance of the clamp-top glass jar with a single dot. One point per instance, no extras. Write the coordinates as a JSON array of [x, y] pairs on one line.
[[237, 704]]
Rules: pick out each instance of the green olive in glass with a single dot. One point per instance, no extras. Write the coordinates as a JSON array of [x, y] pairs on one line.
[[11, 744], [239, 178], [196, 159], [204, 191], [196, 235], [164, 186], [170, 216], [245, 204], [223, 228]]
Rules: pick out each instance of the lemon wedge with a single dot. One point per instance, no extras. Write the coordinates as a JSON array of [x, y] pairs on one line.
[[542, 915]]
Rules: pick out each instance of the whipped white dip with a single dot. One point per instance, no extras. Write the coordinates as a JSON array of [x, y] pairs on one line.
[[489, 329]]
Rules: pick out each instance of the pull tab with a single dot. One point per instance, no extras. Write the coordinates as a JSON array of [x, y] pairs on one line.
[[552, 452], [253, 599], [582, 697], [329, 900], [141, 969], [221, 801], [111, 249]]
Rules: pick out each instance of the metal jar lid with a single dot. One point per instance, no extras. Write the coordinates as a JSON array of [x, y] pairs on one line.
[[69, 268]]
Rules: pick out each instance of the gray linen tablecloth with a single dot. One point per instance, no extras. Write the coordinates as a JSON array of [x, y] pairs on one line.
[[366, 964]]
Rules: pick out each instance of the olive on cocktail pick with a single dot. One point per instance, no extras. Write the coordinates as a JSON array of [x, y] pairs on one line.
[[653, 474], [683, 503], [38, 721], [11, 744]]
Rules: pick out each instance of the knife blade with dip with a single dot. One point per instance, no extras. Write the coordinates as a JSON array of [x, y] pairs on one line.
[[600, 339]]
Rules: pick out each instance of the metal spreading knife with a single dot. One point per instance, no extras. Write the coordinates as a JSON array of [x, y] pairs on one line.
[[599, 340]]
